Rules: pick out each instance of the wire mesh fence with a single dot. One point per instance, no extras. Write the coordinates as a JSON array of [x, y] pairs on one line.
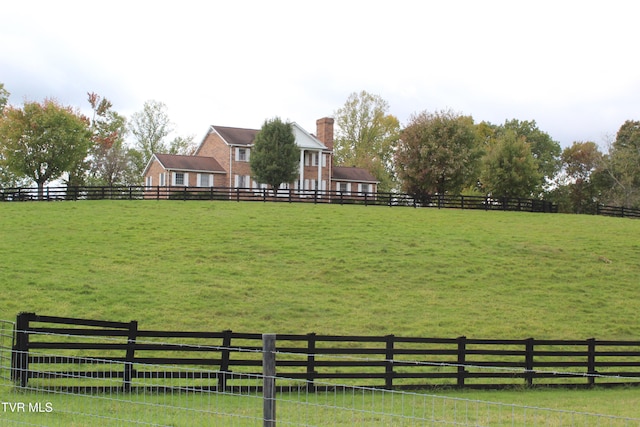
[[88, 393]]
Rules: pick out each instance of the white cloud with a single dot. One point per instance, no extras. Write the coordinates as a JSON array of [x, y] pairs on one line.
[[569, 65]]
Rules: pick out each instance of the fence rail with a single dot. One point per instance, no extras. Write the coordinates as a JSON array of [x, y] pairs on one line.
[[388, 362], [618, 211], [266, 195], [168, 402]]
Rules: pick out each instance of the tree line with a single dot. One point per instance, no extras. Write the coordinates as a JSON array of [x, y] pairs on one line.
[[445, 152], [45, 141], [439, 152]]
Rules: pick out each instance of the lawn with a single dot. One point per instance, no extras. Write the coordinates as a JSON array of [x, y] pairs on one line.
[[254, 267], [299, 268]]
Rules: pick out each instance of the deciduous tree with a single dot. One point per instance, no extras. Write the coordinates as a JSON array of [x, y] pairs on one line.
[[275, 156], [509, 168], [622, 167], [4, 97], [150, 129], [437, 153], [110, 163], [544, 149], [43, 140], [366, 136], [579, 162]]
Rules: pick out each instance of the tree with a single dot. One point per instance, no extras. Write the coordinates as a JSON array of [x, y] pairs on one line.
[[509, 167], [150, 128], [4, 97], [545, 150], [579, 162], [109, 158], [366, 136], [437, 153], [621, 168], [43, 140], [7, 178], [275, 155]]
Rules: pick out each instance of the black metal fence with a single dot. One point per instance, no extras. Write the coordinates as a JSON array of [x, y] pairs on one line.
[[282, 195], [43, 343]]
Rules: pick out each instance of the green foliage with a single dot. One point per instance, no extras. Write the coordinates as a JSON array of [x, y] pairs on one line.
[[275, 156], [108, 163], [41, 141], [438, 153], [580, 161], [366, 136], [545, 150], [4, 97], [509, 168], [149, 128], [622, 167]]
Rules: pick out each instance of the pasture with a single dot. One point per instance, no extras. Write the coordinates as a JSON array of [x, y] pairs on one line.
[[298, 268]]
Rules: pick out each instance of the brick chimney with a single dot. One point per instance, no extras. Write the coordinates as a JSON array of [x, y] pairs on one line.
[[324, 131]]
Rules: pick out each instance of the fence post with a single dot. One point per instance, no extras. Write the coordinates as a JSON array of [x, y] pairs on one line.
[[311, 361], [388, 371], [129, 358], [462, 356], [20, 368], [225, 357], [591, 361], [528, 361], [269, 378]]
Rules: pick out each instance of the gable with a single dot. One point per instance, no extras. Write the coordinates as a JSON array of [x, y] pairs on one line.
[[305, 140]]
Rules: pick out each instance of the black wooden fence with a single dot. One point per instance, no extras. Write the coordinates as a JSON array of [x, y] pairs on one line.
[[50, 350], [618, 211], [283, 195]]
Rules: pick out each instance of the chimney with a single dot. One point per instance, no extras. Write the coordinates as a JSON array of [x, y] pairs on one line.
[[324, 131]]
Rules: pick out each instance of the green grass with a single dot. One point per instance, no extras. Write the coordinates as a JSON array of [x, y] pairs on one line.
[[254, 267]]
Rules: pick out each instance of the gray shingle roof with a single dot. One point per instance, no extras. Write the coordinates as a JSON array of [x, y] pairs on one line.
[[352, 174], [236, 136], [189, 163]]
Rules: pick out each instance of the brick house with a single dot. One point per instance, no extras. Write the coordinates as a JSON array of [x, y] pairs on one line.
[[222, 160]]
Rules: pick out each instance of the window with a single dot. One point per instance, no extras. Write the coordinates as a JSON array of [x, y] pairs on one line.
[[148, 181], [205, 180], [314, 159], [242, 154], [162, 180], [179, 178], [364, 188], [342, 187], [243, 181]]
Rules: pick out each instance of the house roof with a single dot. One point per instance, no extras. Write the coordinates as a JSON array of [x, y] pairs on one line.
[[236, 136], [245, 137], [189, 163], [343, 173]]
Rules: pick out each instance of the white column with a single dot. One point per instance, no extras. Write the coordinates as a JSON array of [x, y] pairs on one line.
[[320, 170], [301, 179]]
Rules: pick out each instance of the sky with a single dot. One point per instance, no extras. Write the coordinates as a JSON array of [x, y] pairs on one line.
[[572, 66]]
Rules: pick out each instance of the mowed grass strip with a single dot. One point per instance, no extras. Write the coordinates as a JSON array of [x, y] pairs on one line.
[[299, 268]]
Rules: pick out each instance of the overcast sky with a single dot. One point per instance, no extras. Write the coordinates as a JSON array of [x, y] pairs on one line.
[[572, 66]]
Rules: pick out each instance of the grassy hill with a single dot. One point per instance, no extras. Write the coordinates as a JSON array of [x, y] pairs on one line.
[[255, 267]]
